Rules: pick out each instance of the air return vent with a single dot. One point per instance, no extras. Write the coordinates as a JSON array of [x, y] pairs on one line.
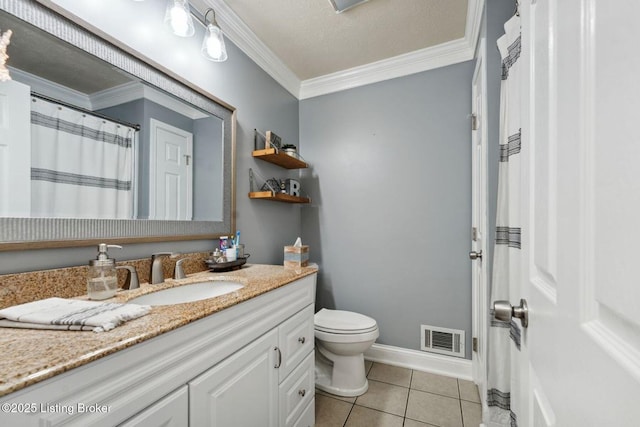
[[442, 340]]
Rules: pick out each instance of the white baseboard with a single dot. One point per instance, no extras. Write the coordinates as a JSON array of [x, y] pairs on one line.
[[421, 361]]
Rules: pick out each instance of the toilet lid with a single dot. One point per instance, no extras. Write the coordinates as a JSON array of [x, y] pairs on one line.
[[339, 321]]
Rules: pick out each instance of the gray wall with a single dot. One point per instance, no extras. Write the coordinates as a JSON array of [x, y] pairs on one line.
[[261, 103], [207, 153], [391, 186]]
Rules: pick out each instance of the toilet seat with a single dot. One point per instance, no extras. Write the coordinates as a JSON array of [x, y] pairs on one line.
[[343, 332], [343, 322]]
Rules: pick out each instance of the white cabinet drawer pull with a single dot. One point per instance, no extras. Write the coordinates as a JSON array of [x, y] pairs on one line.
[[302, 340], [302, 392]]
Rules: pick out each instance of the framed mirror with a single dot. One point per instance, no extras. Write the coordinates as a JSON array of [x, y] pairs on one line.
[[99, 145]]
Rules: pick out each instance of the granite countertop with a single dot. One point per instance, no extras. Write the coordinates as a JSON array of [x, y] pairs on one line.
[[31, 356]]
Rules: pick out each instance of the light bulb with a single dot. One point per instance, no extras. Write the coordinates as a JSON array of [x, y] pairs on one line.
[[213, 47], [179, 21], [178, 17]]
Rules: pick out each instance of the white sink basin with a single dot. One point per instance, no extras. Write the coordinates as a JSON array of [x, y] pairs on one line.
[[187, 293]]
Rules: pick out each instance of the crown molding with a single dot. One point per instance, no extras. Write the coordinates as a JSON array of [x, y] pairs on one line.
[[398, 66], [117, 95], [135, 90], [106, 98], [429, 58], [51, 89], [474, 22]]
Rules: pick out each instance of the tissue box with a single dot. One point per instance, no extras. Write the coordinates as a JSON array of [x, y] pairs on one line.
[[296, 256]]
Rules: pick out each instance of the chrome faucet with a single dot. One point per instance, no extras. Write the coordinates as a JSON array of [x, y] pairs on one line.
[[131, 282], [157, 274], [178, 273]]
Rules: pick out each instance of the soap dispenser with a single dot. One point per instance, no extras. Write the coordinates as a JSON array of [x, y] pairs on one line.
[[102, 281]]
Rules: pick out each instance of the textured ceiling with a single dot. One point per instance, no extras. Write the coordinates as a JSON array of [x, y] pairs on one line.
[[313, 40], [57, 61]]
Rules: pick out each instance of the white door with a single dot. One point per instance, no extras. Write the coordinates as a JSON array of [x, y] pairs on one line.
[[171, 171], [240, 391], [580, 355], [15, 149], [479, 221]]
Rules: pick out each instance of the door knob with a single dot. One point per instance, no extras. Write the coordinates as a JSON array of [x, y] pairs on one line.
[[503, 310], [475, 255]]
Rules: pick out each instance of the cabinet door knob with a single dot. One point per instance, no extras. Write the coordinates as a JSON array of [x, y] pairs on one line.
[[302, 340], [302, 392]]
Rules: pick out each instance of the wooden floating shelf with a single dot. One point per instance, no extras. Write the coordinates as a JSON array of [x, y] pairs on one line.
[[278, 158], [278, 197]]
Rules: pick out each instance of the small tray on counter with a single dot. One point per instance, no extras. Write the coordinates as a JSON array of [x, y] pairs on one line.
[[226, 266]]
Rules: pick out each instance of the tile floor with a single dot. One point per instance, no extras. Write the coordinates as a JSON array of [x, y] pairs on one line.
[[400, 397]]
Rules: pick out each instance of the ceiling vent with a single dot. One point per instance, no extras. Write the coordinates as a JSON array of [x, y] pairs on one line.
[[442, 340], [342, 5]]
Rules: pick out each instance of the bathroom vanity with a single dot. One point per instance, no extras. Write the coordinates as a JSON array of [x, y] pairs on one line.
[[242, 359]]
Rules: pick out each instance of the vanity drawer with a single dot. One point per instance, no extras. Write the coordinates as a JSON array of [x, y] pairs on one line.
[[295, 340], [308, 417], [296, 392]]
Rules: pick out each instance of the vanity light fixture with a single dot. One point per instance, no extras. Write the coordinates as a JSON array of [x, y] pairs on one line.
[[213, 47], [178, 18]]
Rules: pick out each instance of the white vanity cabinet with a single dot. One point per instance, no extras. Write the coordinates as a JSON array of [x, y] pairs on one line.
[[170, 411], [268, 383], [251, 364]]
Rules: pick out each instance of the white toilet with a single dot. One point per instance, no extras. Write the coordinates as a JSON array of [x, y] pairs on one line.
[[342, 337]]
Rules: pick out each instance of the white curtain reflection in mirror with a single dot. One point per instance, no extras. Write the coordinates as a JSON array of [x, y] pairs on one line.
[[81, 166]]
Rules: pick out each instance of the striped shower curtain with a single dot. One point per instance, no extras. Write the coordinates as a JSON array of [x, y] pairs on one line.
[[504, 337], [81, 165]]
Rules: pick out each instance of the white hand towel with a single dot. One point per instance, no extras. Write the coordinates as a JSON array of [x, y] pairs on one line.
[[69, 314]]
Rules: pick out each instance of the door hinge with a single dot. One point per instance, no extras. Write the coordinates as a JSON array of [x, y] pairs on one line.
[[474, 234], [187, 158], [474, 122], [474, 344]]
